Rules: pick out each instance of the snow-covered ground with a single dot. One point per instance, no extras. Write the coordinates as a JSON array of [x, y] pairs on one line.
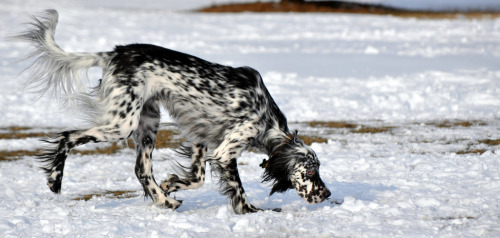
[[437, 5], [370, 70]]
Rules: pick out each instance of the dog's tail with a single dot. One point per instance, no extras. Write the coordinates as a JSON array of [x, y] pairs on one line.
[[54, 69]]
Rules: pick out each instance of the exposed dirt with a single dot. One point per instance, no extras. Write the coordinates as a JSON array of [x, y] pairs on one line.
[[9, 155], [312, 139], [15, 132], [170, 138], [165, 139], [341, 7], [354, 128], [475, 151], [490, 142], [118, 194], [449, 124]]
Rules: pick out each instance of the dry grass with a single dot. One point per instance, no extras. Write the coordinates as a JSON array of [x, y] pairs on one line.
[[373, 130], [447, 15], [18, 133], [16, 154], [474, 151], [449, 124], [354, 128], [266, 7], [118, 194], [165, 139], [312, 139], [333, 124], [343, 7], [168, 138], [113, 148], [490, 142]]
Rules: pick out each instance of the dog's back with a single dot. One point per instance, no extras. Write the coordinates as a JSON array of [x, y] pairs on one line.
[[204, 98]]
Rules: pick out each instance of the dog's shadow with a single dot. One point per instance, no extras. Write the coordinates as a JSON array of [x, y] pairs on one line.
[[361, 191], [288, 201], [340, 190]]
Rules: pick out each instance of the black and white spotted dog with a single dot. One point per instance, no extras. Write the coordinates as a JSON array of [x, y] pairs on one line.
[[221, 110]]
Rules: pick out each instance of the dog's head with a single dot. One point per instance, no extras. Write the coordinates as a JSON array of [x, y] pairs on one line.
[[294, 165]]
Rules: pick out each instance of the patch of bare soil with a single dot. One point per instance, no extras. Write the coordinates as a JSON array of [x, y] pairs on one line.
[[170, 138], [119, 194], [341, 7], [352, 127], [165, 139]]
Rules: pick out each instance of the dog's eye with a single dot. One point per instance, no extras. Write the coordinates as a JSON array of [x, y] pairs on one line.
[[310, 172]]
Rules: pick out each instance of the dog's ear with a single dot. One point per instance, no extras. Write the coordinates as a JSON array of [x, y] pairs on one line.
[[281, 185], [278, 171]]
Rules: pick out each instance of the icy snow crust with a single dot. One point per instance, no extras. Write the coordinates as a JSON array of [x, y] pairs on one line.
[[372, 70]]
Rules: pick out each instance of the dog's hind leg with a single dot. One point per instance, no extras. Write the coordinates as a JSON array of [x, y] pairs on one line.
[[121, 104], [56, 157], [67, 140], [145, 137], [194, 176]]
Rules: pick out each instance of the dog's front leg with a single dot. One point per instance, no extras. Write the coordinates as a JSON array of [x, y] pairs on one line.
[[225, 163], [232, 187]]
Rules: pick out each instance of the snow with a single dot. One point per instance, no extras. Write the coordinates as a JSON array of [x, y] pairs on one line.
[[371, 70], [437, 5]]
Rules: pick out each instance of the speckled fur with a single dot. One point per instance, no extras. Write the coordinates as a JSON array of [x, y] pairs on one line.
[[221, 110]]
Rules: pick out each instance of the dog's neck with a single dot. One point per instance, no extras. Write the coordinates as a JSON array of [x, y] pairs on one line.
[[275, 138]]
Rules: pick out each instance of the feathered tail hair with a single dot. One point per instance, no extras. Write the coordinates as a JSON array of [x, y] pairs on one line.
[[55, 70]]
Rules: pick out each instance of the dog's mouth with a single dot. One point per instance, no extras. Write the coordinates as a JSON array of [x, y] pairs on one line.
[[323, 195], [312, 193]]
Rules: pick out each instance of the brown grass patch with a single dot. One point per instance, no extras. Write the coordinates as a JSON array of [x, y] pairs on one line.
[[343, 7], [14, 132], [354, 128], [167, 139], [16, 154], [164, 139], [490, 142], [312, 139], [476, 151], [113, 148], [448, 124], [118, 194], [333, 124], [373, 130], [266, 7]]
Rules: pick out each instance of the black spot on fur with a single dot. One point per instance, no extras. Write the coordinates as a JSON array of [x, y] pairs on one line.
[[85, 140], [245, 77]]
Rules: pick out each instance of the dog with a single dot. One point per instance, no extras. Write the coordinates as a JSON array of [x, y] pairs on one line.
[[221, 110]]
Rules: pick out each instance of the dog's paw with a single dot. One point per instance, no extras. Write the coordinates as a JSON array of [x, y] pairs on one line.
[[170, 203], [168, 185], [248, 208], [54, 185]]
